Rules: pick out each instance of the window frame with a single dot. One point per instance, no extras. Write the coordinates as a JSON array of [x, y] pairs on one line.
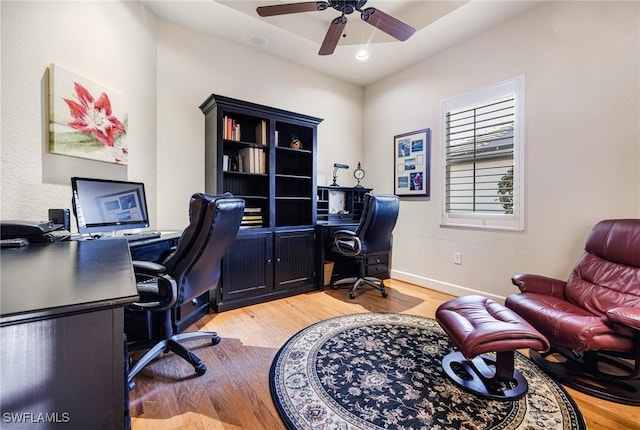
[[473, 99]]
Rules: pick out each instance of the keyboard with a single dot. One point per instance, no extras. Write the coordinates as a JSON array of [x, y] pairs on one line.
[[133, 237]]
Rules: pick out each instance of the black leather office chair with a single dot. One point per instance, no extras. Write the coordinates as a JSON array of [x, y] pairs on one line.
[[372, 237], [191, 270]]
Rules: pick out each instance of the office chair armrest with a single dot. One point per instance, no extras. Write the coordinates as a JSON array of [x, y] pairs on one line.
[[157, 292], [147, 267], [348, 233], [347, 243]]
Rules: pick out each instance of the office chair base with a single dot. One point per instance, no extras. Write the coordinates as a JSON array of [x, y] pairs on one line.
[[171, 345], [358, 281]]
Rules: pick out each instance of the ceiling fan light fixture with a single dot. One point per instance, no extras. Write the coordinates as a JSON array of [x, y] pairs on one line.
[[362, 55]]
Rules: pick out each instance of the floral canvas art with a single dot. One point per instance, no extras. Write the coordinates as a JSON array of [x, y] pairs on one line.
[[86, 119]]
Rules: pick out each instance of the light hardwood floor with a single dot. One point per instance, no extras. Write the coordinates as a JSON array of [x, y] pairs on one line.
[[234, 393]]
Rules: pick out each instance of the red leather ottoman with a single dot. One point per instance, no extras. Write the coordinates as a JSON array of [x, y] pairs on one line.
[[478, 325]]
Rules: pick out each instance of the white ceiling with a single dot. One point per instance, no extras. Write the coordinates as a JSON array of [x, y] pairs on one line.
[[297, 37]]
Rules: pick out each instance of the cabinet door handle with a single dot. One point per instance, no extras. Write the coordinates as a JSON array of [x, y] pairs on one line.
[[278, 260], [268, 261]]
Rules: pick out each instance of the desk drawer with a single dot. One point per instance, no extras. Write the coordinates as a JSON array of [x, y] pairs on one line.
[[190, 312], [378, 259], [378, 266]]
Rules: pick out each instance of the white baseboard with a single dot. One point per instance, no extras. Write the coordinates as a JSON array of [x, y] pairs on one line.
[[445, 287]]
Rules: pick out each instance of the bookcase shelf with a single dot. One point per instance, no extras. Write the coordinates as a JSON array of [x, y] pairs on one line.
[[249, 153]]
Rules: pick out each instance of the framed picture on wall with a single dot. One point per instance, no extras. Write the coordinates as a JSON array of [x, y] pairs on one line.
[[412, 155], [86, 119]]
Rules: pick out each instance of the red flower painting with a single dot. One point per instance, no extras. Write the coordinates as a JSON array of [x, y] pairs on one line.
[[86, 119], [94, 117]]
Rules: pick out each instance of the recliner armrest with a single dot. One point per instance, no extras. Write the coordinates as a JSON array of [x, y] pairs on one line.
[[626, 316], [529, 283]]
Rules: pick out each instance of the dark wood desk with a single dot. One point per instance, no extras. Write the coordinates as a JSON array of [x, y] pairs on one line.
[[344, 267], [61, 331]]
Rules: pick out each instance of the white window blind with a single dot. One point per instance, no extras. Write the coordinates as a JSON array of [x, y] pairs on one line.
[[482, 164]]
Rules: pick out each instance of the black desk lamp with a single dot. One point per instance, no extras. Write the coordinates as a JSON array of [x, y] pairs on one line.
[[337, 166]]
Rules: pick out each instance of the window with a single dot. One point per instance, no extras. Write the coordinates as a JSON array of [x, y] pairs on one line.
[[483, 148]]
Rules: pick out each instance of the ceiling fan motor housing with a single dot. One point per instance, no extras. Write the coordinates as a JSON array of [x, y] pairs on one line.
[[347, 6]]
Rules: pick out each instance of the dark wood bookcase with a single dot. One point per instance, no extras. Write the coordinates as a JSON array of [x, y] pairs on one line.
[[249, 152]]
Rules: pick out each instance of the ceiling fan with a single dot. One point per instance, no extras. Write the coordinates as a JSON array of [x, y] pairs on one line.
[[370, 15]]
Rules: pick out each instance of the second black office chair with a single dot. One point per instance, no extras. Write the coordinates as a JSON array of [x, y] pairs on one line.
[[191, 270], [372, 237]]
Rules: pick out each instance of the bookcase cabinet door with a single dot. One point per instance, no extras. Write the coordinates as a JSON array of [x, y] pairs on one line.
[[294, 262], [247, 268]]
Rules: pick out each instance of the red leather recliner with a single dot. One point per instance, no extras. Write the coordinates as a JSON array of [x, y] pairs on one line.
[[592, 320]]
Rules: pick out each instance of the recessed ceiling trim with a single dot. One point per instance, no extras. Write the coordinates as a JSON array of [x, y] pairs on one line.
[[258, 40]]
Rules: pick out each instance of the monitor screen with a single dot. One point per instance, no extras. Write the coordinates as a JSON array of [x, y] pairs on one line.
[[102, 205]]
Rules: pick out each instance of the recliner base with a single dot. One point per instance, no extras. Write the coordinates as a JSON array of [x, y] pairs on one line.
[[170, 345], [575, 372]]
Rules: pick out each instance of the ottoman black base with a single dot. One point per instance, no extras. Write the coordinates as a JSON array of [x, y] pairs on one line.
[[482, 328]]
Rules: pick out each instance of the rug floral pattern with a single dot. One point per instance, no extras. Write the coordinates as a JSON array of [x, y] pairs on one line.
[[382, 371]]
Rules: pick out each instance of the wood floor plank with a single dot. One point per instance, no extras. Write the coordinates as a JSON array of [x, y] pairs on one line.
[[234, 393]]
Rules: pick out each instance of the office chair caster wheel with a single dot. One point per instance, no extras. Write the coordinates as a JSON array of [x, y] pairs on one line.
[[352, 295], [384, 294], [200, 369], [215, 340]]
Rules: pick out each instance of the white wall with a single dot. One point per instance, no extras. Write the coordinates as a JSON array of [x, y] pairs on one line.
[[111, 43], [166, 72], [580, 59], [581, 65], [192, 65]]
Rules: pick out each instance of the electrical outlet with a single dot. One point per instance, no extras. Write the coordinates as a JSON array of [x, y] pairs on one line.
[[457, 257]]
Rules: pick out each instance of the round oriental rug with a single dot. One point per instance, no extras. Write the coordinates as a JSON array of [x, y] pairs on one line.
[[382, 371]]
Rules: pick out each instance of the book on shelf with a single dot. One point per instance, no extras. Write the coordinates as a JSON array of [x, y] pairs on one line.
[[252, 160], [261, 132], [252, 218], [247, 162], [231, 129], [240, 164], [256, 160], [251, 222]]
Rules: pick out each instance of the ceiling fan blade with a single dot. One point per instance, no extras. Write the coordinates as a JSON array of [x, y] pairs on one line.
[[283, 9], [333, 35], [390, 25]]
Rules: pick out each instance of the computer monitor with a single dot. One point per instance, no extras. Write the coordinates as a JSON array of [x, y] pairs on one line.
[[102, 205]]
